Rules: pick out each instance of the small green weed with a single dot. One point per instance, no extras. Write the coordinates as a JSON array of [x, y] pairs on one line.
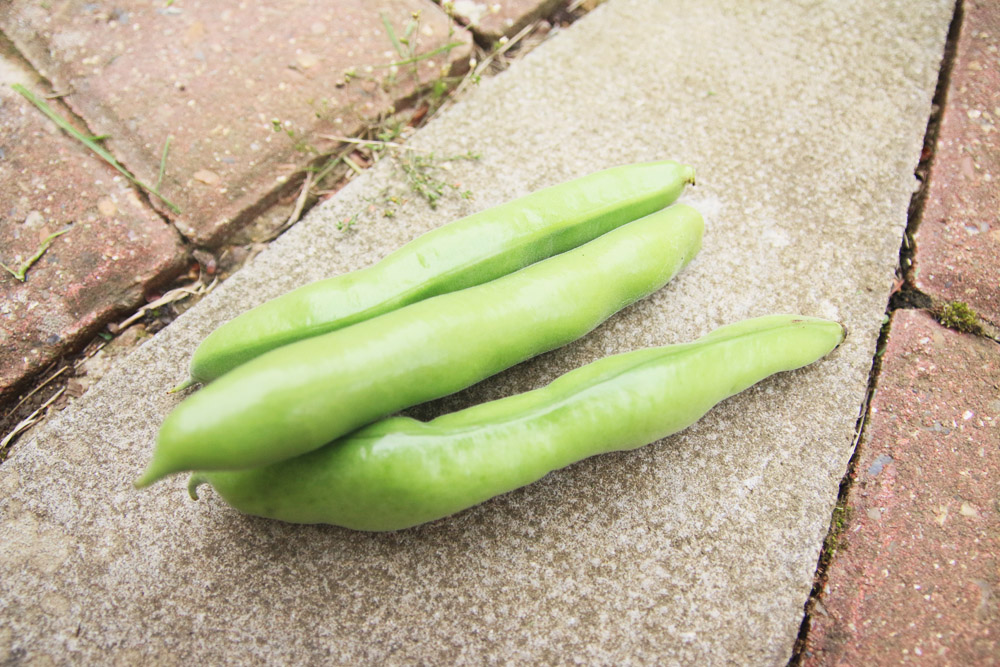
[[347, 223], [424, 175], [91, 143], [21, 272], [299, 143], [407, 47]]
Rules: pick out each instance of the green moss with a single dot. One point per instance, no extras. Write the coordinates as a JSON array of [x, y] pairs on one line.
[[835, 539], [958, 316]]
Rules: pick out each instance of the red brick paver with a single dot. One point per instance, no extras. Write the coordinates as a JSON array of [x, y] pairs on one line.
[[115, 247], [958, 240], [243, 89], [919, 578]]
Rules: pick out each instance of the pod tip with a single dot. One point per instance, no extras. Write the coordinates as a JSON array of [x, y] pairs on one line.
[[183, 385], [150, 475]]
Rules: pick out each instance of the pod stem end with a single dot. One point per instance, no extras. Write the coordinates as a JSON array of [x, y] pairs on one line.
[[193, 484]]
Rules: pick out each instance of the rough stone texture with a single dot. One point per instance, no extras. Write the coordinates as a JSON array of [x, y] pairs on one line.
[[805, 123], [920, 575], [490, 21], [116, 247], [958, 240], [215, 75]]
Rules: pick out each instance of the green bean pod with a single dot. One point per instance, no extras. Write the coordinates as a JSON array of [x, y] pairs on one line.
[[301, 396], [401, 472], [467, 252]]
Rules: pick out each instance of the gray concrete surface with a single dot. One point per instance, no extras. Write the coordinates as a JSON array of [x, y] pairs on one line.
[[805, 122]]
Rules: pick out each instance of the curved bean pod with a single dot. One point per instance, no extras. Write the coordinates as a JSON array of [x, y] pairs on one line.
[[301, 396], [467, 252], [400, 472]]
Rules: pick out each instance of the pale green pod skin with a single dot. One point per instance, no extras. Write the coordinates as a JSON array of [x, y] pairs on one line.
[[400, 472], [301, 396], [467, 252]]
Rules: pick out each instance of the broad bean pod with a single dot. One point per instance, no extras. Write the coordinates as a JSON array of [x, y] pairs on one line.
[[467, 252], [401, 472], [300, 396]]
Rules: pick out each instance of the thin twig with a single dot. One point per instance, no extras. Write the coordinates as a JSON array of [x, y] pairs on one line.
[[89, 355], [327, 168], [424, 56], [352, 164], [38, 388], [330, 165], [481, 67], [576, 4], [300, 203], [173, 295], [27, 423], [370, 142], [76, 364]]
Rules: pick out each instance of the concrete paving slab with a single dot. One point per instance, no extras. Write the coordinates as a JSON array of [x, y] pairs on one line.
[[242, 90], [917, 575], [805, 123], [958, 239], [116, 247]]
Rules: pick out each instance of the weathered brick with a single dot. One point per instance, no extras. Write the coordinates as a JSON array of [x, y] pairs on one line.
[[958, 240], [243, 90], [116, 246], [916, 576]]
